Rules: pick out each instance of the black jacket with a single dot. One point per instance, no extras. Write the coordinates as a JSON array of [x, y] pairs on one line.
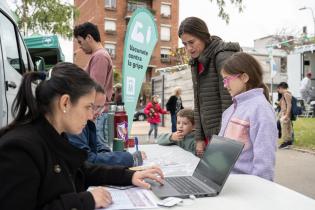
[[211, 98], [171, 104], [40, 169]]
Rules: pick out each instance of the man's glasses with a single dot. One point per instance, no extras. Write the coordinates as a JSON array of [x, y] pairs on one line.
[[227, 79]]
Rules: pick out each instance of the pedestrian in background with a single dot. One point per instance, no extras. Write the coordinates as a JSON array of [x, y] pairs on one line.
[[251, 118], [174, 105], [99, 67], [285, 115], [306, 88], [208, 53], [153, 111], [39, 168]]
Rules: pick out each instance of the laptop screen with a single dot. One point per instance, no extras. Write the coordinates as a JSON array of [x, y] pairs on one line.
[[218, 159]]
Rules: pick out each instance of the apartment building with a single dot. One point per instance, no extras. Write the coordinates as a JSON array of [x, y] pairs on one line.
[[112, 17]]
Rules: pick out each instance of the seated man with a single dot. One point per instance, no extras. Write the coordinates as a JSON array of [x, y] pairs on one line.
[[97, 152], [184, 137]]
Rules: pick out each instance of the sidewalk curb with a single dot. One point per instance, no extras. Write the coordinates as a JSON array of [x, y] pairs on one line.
[[303, 150]]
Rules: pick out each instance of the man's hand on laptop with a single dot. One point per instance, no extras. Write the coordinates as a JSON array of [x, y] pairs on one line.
[[154, 173]]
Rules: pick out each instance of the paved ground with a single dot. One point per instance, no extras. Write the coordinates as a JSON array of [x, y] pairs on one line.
[[294, 169]]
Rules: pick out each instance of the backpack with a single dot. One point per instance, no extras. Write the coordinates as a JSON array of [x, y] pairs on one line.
[[295, 109]]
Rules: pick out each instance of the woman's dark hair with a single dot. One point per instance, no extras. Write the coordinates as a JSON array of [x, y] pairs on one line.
[[195, 27], [240, 63], [87, 28], [63, 78]]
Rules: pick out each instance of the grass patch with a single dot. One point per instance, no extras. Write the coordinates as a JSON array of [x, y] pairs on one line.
[[304, 132]]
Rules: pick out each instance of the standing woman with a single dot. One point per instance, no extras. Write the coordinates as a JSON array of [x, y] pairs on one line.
[[39, 168], [174, 105], [208, 54]]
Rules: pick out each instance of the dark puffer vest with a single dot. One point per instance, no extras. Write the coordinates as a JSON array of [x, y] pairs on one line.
[[211, 98]]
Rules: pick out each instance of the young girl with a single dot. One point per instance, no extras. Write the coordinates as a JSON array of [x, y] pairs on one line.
[[153, 111], [251, 118]]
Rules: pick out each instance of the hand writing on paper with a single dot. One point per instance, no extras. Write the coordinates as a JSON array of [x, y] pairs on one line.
[[154, 173], [102, 197]]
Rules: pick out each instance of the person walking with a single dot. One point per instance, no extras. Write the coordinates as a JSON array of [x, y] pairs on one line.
[[208, 53], [285, 115], [153, 111], [250, 119], [174, 105], [99, 67], [39, 168]]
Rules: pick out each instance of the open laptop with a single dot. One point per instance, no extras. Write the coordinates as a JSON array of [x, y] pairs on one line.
[[210, 174]]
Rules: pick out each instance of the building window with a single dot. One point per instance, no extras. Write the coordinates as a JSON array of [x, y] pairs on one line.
[[111, 49], [165, 33], [110, 4], [110, 25], [165, 55], [133, 5], [165, 10]]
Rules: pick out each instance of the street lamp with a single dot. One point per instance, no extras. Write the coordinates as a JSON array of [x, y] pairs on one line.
[[304, 8]]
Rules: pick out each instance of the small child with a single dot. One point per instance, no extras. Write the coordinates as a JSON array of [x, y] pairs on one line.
[[251, 118], [153, 111], [184, 136]]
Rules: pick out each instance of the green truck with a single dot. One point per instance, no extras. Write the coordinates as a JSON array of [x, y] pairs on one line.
[[45, 48]]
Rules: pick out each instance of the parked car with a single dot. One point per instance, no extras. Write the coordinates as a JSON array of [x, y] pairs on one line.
[[139, 115]]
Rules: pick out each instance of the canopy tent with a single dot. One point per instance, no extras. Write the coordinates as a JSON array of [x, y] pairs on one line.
[[47, 47]]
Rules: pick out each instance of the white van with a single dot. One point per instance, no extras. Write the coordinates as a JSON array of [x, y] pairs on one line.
[[14, 62]]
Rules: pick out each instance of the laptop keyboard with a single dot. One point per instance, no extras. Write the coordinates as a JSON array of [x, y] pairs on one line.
[[184, 185]]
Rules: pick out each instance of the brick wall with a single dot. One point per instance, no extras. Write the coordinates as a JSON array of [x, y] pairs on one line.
[[95, 12]]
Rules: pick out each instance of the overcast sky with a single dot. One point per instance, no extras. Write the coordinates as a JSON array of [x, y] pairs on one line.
[[260, 18]]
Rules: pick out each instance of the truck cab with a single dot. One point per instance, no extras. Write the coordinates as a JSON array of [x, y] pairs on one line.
[[14, 62]]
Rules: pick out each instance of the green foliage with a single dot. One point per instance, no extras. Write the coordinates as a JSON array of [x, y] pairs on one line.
[[304, 132], [222, 4], [49, 16]]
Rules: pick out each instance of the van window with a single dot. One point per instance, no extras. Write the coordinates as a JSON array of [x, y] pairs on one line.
[[23, 53], [9, 43]]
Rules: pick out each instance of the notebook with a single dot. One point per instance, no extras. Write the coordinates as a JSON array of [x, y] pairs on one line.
[[210, 174]]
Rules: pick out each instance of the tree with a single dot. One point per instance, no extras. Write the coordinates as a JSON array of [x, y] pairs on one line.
[[49, 16], [222, 13]]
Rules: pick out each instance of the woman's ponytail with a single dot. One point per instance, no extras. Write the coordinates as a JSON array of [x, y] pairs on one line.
[[24, 107]]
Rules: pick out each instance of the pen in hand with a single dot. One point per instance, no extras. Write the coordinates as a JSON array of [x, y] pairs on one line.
[[136, 143]]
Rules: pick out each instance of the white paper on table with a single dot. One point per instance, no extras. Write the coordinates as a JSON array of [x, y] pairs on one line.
[[133, 198]]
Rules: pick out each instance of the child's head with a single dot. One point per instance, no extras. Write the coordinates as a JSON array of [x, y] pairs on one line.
[[242, 72], [155, 99], [185, 121]]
